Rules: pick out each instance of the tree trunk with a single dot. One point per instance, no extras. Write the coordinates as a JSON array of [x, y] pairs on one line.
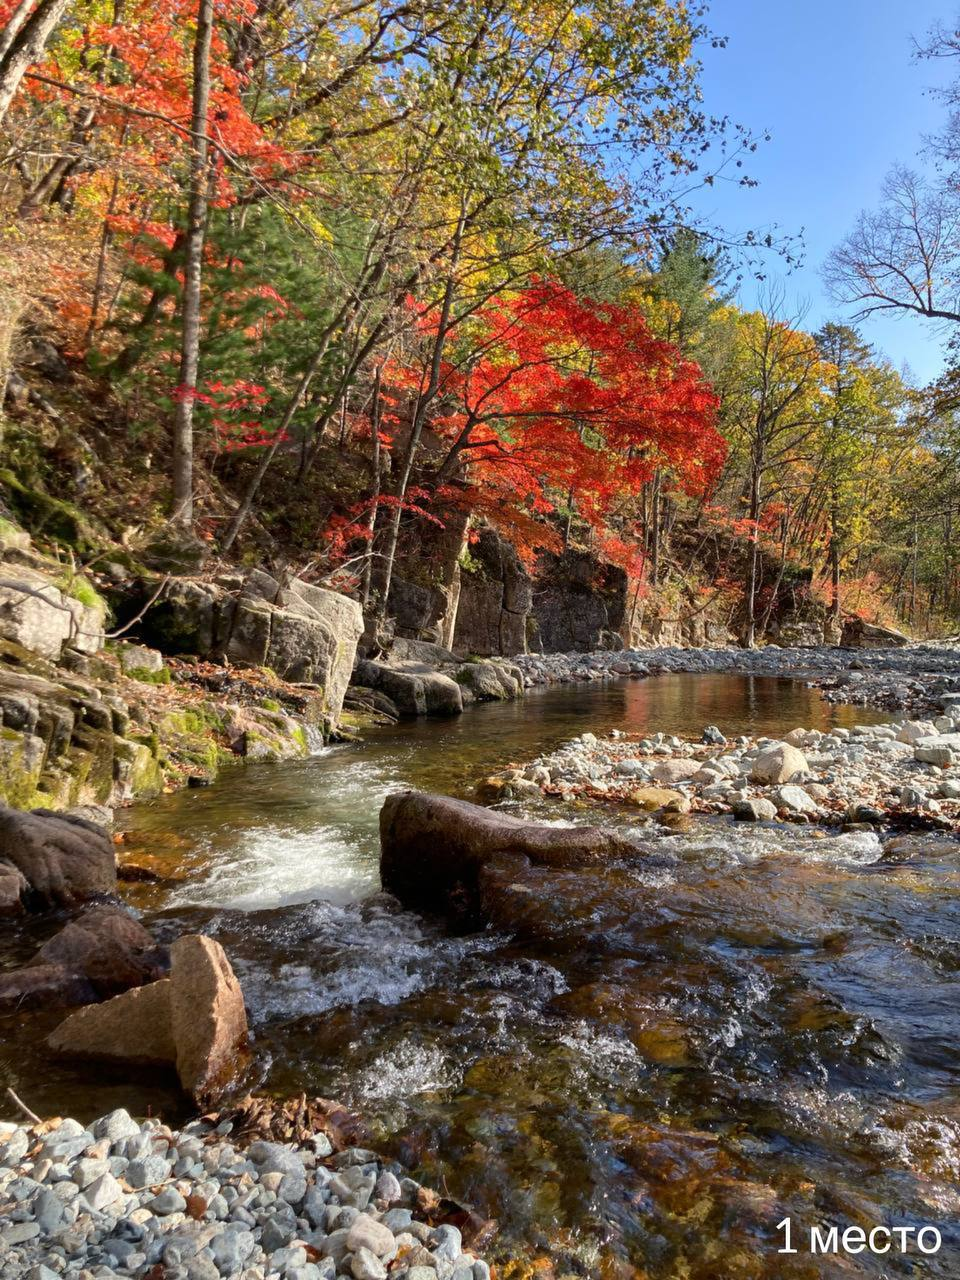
[[23, 42], [913, 573], [835, 566], [193, 273], [424, 400], [374, 484], [655, 531], [753, 554]]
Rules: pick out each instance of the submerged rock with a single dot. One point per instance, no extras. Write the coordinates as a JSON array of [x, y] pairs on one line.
[[108, 947], [104, 951]]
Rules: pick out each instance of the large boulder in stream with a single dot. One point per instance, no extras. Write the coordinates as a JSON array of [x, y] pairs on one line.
[[194, 1021], [438, 854], [52, 860], [857, 634], [413, 688]]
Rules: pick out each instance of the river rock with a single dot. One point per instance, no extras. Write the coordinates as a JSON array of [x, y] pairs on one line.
[[754, 809], [433, 849], [106, 945], [778, 763], [43, 986], [133, 1027], [857, 634], [942, 750], [675, 770], [62, 860], [207, 1015], [413, 692], [194, 1020], [793, 799], [488, 682], [652, 798]]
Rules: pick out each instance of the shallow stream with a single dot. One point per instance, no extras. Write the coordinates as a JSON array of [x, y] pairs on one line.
[[761, 1023]]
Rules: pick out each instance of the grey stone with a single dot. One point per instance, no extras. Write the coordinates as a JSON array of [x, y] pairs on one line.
[[754, 809], [116, 1125], [19, 1232], [365, 1265], [276, 1234], [368, 1234], [48, 1209], [148, 1171], [447, 1242], [103, 1192], [231, 1249], [168, 1201]]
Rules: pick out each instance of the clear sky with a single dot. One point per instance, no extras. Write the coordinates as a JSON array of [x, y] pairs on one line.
[[835, 84]]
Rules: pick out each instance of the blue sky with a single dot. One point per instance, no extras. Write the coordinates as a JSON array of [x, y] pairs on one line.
[[835, 84]]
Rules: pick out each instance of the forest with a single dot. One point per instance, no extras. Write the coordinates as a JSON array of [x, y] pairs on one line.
[[479, 640], [324, 280]]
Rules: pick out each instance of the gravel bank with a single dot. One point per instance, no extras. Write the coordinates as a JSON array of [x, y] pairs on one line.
[[912, 678], [906, 772], [118, 1198]]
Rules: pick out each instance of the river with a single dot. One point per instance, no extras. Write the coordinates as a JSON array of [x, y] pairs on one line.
[[761, 1024]]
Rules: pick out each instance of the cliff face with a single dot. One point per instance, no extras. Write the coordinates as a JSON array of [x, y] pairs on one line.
[[477, 597], [495, 599], [579, 603]]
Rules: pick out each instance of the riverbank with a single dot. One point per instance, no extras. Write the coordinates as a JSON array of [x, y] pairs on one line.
[[912, 678], [903, 774], [118, 1198]]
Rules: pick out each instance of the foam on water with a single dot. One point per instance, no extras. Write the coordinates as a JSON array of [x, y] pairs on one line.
[[276, 868], [403, 1071], [352, 953]]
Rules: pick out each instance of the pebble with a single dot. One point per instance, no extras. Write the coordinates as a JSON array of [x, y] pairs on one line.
[[81, 1221]]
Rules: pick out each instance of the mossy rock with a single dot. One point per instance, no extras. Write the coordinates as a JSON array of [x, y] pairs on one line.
[[21, 765], [45, 516], [146, 676]]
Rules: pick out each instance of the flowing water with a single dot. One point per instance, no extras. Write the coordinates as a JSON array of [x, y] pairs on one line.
[[668, 1058]]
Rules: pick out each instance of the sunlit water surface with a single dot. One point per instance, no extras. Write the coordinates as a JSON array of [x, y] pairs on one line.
[[761, 1022]]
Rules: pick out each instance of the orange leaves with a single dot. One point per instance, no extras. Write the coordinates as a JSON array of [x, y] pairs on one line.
[[553, 395]]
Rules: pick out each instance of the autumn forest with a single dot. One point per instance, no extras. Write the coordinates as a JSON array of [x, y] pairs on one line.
[[335, 278]]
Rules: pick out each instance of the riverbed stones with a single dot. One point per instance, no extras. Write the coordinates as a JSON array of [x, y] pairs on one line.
[[778, 763], [754, 809], [367, 1233], [207, 1017], [671, 771], [194, 1020], [941, 750], [413, 690], [652, 798], [108, 947], [133, 1027], [793, 799]]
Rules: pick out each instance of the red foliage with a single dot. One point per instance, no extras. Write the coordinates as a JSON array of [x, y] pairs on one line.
[[550, 394]]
